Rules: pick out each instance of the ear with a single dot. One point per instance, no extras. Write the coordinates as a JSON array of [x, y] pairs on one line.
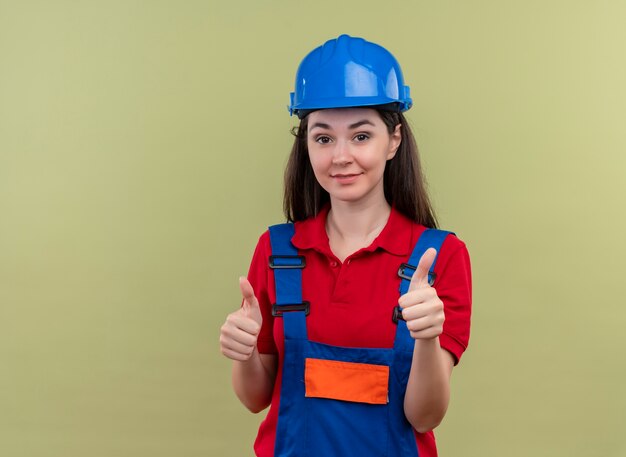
[[395, 138]]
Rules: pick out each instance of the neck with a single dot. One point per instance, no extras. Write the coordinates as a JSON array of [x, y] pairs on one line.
[[361, 221]]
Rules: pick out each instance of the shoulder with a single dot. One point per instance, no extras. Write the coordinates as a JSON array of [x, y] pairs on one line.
[[453, 267], [453, 250], [264, 243], [262, 251], [452, 244]]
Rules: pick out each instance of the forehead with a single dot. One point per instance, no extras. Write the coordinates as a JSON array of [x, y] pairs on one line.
[[344, 116]]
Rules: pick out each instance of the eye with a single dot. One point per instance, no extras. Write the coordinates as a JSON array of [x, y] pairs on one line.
[[361, 137], [323, 139]]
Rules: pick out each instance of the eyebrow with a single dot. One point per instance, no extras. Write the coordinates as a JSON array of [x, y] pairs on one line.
[[351, 126]]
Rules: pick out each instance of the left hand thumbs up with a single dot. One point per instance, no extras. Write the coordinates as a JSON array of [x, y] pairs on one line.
[[421, 307], [420, 277]]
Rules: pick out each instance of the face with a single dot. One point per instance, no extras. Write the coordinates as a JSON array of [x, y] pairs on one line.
[[348, 149]]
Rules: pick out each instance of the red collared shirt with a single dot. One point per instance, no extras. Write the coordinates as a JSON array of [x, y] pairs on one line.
[[352, 302]]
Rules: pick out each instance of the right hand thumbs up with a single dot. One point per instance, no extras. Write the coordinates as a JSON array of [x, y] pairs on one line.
[[250, 303], [239, 334]]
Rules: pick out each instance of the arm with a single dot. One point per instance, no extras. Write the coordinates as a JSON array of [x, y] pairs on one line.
[[253, 374], [428, 389], [253, 380]]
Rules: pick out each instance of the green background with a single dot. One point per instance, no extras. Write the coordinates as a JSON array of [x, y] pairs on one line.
[[141, 153]]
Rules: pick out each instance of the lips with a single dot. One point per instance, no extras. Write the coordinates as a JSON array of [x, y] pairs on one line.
[[345, 178]]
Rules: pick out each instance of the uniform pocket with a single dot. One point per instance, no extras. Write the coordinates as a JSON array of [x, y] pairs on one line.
[[347, 381], [346, 397]]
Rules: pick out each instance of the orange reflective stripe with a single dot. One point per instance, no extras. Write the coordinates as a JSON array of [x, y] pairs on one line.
[[349, 381]]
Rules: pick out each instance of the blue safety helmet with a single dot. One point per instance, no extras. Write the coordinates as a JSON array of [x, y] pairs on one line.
[[349, 72]]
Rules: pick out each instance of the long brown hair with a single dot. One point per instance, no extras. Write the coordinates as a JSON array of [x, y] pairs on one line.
[[403, 181]]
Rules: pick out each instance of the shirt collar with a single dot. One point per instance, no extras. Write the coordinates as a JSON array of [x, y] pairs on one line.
[[395, 238]]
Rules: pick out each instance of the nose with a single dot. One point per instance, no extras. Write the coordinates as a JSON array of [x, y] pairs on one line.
[[341, 154]]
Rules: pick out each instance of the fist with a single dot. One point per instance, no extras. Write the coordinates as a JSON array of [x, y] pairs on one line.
[[239, 334], [421, 307]]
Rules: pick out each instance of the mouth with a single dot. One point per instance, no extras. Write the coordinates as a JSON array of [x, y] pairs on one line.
[[345, 178]]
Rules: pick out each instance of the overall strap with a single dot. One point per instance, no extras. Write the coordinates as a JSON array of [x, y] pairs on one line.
[[287, 266], [430, 238]]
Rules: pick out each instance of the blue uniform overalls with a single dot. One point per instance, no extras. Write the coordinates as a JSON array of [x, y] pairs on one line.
[[320, 414]]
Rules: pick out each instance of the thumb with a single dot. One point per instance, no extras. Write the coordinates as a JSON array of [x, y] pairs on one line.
[[420, 277], [247, 292]]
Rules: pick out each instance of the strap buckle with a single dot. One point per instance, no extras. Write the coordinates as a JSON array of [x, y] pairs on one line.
[[287, 262], [397, 314], [279, 310], [402, 272]]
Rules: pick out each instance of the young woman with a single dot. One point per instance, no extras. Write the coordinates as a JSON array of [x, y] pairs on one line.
[[355, 312]]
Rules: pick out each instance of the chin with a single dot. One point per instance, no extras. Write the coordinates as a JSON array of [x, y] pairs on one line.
[[348, 197]]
